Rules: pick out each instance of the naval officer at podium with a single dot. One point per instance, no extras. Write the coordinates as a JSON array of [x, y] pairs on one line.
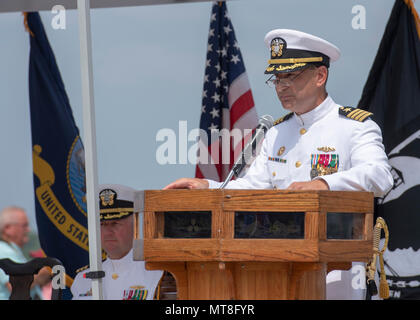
[[319, 145]]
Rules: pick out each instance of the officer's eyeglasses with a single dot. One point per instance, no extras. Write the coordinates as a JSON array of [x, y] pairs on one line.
[[286, 82]]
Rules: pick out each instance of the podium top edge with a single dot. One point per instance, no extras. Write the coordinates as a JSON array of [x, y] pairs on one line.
[[258, 191]]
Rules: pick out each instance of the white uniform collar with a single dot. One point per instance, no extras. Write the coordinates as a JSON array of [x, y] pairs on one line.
[[124, 260], [317, 113]]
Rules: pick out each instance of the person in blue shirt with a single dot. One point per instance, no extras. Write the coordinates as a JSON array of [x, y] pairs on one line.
[[14, 230]]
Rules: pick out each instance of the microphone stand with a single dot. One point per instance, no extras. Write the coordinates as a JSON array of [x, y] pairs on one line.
[[265, 123], [235, 171], [228, 178]]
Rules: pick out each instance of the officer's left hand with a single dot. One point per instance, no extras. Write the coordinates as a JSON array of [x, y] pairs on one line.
[[317, 184]]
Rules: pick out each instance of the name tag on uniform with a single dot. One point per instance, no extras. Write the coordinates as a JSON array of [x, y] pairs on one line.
[[275, 159]]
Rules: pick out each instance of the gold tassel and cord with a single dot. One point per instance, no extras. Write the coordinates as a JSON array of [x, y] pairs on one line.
[[25, 23], [410, 5], [383, 284], [371, 267]]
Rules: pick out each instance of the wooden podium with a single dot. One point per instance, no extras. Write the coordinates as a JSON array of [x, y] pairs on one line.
[[257, 244]]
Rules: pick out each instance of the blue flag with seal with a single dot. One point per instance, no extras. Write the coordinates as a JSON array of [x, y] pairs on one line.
[[58, 158]]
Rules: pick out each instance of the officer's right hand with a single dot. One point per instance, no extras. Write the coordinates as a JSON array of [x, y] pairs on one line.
[[188, 183]]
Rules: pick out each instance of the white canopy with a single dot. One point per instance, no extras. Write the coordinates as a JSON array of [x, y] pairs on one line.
[[41, 5]]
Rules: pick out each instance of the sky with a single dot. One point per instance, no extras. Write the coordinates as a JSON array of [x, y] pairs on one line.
[[148, 66]]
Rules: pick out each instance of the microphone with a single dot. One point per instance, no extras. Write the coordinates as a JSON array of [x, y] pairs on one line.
[[265, 123]]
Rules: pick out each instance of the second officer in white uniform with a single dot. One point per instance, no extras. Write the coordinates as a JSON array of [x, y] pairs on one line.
[[319, 145], [125, 279]]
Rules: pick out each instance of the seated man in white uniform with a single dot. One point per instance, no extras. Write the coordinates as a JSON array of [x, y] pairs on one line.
[[124, 279], [319, 145]]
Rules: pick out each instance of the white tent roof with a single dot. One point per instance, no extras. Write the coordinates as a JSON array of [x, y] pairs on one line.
[[40, 5]]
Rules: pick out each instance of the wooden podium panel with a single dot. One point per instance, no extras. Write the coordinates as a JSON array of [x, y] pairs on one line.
[[225, 265], [246, 280]]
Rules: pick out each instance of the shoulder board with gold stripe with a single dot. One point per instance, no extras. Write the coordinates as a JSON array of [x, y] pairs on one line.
[[354, 113], [87, 266], [282, 119], [82, 269]]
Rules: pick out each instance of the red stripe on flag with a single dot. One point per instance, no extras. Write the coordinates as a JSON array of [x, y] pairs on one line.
[[242, 105], [198, 173]]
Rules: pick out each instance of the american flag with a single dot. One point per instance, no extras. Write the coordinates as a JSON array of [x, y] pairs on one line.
[[227, 99]]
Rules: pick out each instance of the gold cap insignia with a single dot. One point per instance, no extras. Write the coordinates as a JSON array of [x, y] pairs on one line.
[[277, 46], [107, 197]]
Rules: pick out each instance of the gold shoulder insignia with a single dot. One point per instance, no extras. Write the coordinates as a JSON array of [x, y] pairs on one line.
[[82, 269], [87, 266], [354, 113], [282, 119]]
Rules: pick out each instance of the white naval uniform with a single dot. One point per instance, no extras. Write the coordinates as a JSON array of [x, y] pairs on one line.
[[362, 162], [362, 166], [132, 276]]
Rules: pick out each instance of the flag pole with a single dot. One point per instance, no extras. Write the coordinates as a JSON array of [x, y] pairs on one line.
[[95, 249]]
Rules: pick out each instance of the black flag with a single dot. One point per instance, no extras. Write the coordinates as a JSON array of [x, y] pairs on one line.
[[392, 93]]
